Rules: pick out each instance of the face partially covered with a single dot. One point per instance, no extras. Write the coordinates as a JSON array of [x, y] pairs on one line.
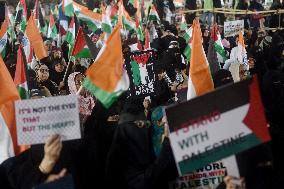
[[42, 73]]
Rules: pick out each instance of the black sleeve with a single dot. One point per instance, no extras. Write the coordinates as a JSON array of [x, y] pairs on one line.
[[23, 172], [159, 173]]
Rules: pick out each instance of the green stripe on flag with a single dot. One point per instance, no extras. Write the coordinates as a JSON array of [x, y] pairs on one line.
[[187, 52], [205, 158], [220, 50], [135, 73], [106, 28], [106, 98], [84, 53], [69, 10], [91, 25], [23, 92], [3, 53]]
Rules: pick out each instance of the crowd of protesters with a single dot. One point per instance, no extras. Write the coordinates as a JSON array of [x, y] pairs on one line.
[[127, 145]]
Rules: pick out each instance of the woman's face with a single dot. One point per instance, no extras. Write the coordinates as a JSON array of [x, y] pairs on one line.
[[79, 80], [59, 68], [42, 73]]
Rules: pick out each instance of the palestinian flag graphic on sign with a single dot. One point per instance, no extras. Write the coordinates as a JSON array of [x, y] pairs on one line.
[[217, 125]]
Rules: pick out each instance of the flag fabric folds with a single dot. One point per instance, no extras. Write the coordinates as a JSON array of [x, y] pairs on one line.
[[106, 78], [20, 79], [8, 133], [35, 39], [80, 49], [199, 80], [3, 38]]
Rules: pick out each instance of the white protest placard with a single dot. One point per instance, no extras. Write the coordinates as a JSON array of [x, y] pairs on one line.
[[37, 119], [213, 126], [232, 28]]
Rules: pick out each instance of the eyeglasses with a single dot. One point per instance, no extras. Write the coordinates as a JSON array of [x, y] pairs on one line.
[[142, 123], [43, 70]]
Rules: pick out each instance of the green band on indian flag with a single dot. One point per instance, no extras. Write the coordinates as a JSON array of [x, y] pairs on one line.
[[106, 27], [127, 24], [187, 52], [92, 19], [106, 98]]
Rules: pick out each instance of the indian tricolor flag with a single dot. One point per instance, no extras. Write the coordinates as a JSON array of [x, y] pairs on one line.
[[242, 53], [20, 75], [34, 40], [188, 38], [199, 80], [52, 30], [215, 35], [128, 24], [68, 8], [3, 38], [106, 78], [92, 19], [106, 21], [153, 15], [9, 94], [80, 49], [78, 8]]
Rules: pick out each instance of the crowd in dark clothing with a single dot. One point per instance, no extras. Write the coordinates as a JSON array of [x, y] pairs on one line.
[[118, 149]]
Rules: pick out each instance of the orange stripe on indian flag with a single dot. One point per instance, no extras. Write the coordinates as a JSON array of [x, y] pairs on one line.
[[91, 14], [107, 70], [35, 38], [7, 107], [3, 28], [200, 80]]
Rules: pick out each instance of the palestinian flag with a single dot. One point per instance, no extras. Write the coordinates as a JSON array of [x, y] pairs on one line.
[[8, 139], [92, 19], [199, 80], [114, 15], [153, 15], [106, 78], [10, 21], [217, 130], [80, 49], [3, 38], [52, 30], [106, 22], [20, 76], [215, 35], [70, 36], [68, 8], [63, 22], [21, 15], [187, 36], [41, 24], [140, 35]]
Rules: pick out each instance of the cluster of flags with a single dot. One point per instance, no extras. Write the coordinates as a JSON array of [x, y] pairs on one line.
[[106, 78]]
